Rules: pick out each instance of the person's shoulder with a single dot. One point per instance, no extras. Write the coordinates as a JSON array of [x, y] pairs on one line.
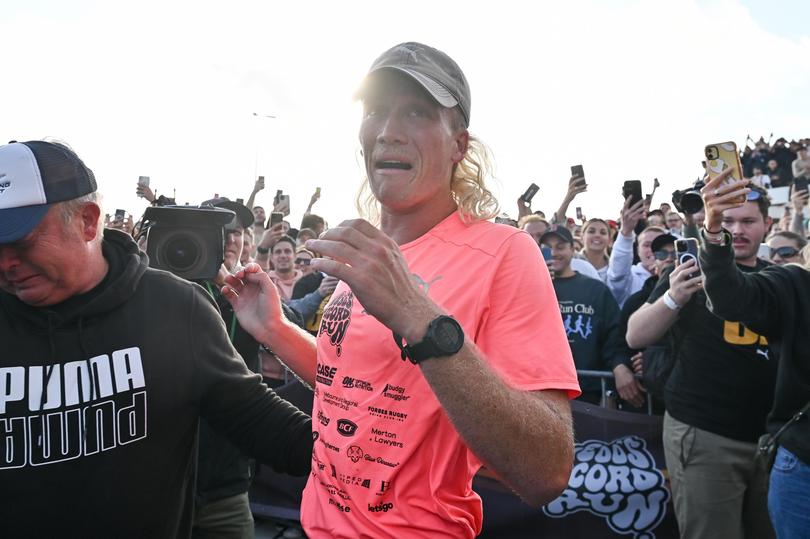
[[484, 236]]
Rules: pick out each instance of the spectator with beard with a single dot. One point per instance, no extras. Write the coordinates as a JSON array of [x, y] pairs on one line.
[[590, 316], [284, 275], [786, 248], [773, 302], [718, 394], [596, 237]]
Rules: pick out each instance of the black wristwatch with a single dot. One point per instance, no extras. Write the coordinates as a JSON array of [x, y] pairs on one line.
[[444, 337]]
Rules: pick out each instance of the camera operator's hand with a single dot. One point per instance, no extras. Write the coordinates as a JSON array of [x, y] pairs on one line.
[[627, 385], [255, 301], [328, 286], [799, 200], [146, 192], [631, 215], [719, 196], [681, 287]]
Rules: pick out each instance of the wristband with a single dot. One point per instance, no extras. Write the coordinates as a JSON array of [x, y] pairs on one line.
[[670, 303], [713, 233], [717, 238], [262, 250]]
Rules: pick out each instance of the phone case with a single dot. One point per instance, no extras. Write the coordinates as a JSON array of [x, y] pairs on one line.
[[686, 249], [721, 156]]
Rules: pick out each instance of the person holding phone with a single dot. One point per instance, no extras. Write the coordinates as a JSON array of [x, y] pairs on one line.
[[775, 303], [720, 389], [443, 335]]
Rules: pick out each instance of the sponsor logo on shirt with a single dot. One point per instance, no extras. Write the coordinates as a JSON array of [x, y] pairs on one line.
[[346, 427], [325, 374], [340, 506], [619, 481], [385, 486], [396, 393], [336, 491], [106, 414], [340, 402], [349, 383], [385, 437], [329, 446], [387, 414], [323, 419], [351, 479], [336, 319], [380, 507], [355, 453]]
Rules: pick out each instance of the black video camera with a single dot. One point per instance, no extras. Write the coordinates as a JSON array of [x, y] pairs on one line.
[[689, 200], [186, 240]]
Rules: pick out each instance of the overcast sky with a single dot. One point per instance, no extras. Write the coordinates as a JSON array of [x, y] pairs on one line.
[[629, 89]]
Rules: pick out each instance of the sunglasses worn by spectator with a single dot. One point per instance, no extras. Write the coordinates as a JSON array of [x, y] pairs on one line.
[[304, 261], [664, 254], [784, 252]]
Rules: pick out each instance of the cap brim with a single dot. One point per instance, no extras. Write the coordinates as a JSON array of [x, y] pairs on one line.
[[554, 233], [436, 90], [16, 223]]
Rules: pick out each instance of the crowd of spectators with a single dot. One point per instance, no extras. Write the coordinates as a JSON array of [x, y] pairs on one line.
[[620, 295]]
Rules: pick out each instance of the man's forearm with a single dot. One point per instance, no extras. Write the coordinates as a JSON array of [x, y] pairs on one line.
[[560, 217], [649, 324], [296, 349], [526, 438]]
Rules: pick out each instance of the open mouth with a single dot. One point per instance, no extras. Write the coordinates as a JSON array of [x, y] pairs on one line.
[[392, 165]]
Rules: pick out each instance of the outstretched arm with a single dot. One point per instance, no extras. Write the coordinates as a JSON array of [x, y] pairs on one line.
[[576, 185]]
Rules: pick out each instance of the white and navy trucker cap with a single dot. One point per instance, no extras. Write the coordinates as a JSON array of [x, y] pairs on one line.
[[34, 175]]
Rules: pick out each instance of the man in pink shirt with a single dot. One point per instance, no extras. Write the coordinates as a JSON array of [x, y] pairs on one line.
[[442, 347], [284, 274]]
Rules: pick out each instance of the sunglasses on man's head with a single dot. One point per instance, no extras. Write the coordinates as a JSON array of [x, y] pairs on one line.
[[304, 261], [664, 254], [785, 252]]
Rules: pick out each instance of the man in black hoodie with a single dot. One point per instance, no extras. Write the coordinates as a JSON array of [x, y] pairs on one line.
[[774, 303], [107, 367]]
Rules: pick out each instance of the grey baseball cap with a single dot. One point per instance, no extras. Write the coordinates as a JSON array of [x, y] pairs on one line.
[[436, 72]]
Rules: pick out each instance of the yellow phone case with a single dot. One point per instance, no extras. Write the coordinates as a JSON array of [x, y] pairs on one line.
[[721, 156]]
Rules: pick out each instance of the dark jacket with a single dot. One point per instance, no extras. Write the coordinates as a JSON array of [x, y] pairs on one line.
[[776, 303], [112, 454]]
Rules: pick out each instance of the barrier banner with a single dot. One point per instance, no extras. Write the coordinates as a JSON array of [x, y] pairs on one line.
[[618, 486]]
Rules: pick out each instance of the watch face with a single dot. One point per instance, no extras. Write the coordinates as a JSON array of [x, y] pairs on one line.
[[448, 335]]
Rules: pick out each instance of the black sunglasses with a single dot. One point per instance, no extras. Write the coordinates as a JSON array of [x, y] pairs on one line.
[[304, 261], [664, 254], [784, 252]]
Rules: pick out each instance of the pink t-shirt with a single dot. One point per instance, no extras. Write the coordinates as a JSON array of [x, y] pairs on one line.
[[387, 462]]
